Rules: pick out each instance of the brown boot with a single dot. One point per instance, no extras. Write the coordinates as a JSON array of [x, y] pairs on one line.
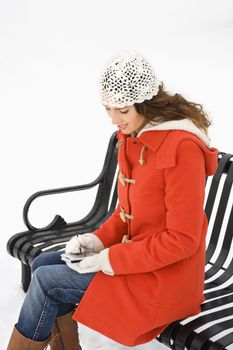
[[65, 334], [19, 342]]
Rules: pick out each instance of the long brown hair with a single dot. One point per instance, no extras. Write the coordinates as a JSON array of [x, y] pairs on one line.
[[165, 107]]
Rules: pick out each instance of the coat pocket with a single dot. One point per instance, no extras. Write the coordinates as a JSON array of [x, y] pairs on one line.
[[160, 287]]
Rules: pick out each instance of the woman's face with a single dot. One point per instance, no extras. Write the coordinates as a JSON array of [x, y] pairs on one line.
[[127, 119]]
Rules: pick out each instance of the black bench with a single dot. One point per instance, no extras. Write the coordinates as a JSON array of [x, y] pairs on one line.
[[211, 329]]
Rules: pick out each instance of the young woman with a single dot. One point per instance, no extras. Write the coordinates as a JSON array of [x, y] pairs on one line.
[[148, 269]]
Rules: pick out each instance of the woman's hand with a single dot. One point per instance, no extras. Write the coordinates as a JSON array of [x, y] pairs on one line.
[[88, 242], [95, 263]]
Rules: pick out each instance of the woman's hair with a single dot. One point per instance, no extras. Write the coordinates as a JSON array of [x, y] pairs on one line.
[[165, 107]]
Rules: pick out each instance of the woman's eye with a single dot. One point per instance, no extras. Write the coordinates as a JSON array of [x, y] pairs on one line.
[[124, 112]]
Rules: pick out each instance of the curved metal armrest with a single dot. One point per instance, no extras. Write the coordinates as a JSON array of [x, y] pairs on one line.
[[104, 180], [58, 221]]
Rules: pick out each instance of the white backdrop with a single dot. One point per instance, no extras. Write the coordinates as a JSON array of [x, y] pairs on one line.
[[54, 131]]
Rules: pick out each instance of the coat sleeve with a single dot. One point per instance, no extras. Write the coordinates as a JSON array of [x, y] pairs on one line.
[[112, 230], [184, 200]]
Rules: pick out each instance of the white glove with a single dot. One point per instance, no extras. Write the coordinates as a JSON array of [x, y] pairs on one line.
[[97, 262], [87, 242]]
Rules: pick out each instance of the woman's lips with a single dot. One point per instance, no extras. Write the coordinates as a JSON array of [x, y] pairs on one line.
[[122, 126]]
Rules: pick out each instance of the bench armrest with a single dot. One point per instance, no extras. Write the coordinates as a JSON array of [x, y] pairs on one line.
[[58, 221], [100, 207]]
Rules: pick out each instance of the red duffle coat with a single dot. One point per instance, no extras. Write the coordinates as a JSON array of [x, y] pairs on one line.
[[159, 272]]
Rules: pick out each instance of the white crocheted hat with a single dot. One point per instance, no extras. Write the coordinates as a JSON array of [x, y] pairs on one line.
[[127, 78]]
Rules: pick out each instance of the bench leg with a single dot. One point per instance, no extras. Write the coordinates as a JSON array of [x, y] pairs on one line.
[[25, 276]]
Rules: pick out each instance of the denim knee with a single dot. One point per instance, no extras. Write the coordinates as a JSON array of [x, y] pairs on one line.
[[40, 260], [47, 258], [42, 277]]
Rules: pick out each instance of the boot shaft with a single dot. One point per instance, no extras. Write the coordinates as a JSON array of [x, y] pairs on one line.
[[20, 342], [65, 333]]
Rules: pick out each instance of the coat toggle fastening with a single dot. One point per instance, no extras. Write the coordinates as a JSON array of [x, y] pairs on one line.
[[124, 215], [126, 239], [141, 160], [124, 179]]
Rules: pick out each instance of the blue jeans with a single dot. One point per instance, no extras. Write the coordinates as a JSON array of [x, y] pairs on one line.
[[54, 290]]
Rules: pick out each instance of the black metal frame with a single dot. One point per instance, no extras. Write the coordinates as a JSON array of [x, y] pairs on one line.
[[181, 334]]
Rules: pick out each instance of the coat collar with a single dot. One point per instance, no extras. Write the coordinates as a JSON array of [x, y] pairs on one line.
[[151, 141]]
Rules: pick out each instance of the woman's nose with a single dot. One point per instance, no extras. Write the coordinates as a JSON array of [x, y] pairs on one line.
[[115, 118]]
